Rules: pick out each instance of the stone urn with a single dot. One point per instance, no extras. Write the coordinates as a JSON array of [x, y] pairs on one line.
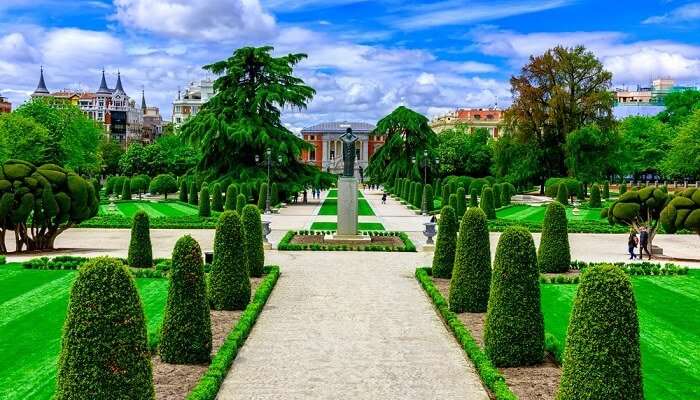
[[266, 231], [430, 232]]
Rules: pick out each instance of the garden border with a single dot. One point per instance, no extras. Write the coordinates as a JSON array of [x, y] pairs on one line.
[[286, 245]]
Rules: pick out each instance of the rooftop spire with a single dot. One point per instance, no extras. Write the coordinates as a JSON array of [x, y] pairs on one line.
[[103, 85], [119, 87], [143, 100], [41, 89]]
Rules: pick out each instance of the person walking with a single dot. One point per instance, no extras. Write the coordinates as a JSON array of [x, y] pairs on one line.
[[632, 242], [384, 198], [644, 242]]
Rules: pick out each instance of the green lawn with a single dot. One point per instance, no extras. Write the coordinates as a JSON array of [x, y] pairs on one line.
[[32, 310], [334, 193], [362, 226], [669, 329], [330, 207], [522, 212], [153, 209]]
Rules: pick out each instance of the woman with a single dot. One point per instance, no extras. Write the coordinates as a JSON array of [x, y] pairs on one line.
[[632, 242]]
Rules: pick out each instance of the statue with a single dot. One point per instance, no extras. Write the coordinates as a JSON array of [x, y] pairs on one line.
[[348, 139]]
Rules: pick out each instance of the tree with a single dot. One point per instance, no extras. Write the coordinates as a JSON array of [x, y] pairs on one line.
[[140, 184], [556, 93], [471, 275], [164, 184], [111, 154], [487, 204], [514, 326], [683, 157], [602, 359], [186, 337], [243, 120], [204, 202], [606, 190], [554, 254], [22, 138], [514, 160], [648, 141], [592, 154], [595, 200], [444, 257], [180, 158], [679, 106], [126, 189], [252, 236], [140, 250], [104, 351], [464, 153], [229, 285], [407, 134], [639, 209], [683, 212]]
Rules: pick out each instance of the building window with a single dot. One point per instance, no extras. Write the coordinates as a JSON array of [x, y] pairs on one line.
[[312, 155]]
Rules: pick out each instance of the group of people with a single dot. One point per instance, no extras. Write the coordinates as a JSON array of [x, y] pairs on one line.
[[642, 242]]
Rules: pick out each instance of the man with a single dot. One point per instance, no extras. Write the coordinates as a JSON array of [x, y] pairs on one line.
[[644, 242]]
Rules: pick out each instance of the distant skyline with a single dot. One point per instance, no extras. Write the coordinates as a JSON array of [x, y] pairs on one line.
[[365, 57]]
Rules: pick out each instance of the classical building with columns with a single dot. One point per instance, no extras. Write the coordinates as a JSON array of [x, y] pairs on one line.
[[327, 153], [490, 119]]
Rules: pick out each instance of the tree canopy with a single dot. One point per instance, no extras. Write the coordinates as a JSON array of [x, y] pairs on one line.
[[592, 153], [679, 106], [22, 138], [645, 141], [463, 153], [683, 158]]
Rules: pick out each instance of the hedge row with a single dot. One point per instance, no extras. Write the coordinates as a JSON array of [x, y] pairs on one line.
[[73, 263], [122, 222], [286, 245]]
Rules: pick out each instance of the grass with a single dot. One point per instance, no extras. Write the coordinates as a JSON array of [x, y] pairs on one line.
[[330, 207], [522, 212], [334, 193], [153, 209], [362, 226], [33, 306], [669, 334]]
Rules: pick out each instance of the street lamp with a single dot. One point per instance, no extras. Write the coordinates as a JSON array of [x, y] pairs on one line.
[[268, 160], [425, 162]]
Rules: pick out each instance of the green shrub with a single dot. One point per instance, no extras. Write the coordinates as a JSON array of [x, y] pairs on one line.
[[185, 336], [204, 202], [514, 327], [118, 185], [474, 198], [274, 195], [606, 190], [563, 195], [602, 358], [551, 186], [217, 202], [241, 201], [163, 184], [497, 195], [478, 184], [623, 189], [262, 197], [104, 349], [126, 189], [461, 202], [471, 276], [683, 212], [505, 194], [229, 285], [252, 238], [453, 202], [140, 250], [427, 203], [444, 257], [554, 254], [193, 195], [580, 193], [487, 204], [595, 201], [445, 194], [231, 197], [417, 195], [183, 191]]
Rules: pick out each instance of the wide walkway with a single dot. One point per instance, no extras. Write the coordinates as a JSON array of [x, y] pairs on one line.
[[350, 326]]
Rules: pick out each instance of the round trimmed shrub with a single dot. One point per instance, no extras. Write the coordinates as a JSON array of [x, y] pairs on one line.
[[240, 203], [204, 202], [554, 254], [497, 196], [606, 190], [104, 350], [602, 359], [595, 200], [471, 276], [427, 203], [252, 235], [185, 337], [232, 197], [563, 195], [474, 198], [183, 190], [262, 197], [487, 204], [163, 184], [193, 196], [126, 189], [217, 202], [446, 243], [514, 327], [140, 250], [461, 202], [229, 285]]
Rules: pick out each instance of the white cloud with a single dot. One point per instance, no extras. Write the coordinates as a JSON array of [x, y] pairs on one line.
[[211, 20], [77, 48], [685, 13], [14, 47]]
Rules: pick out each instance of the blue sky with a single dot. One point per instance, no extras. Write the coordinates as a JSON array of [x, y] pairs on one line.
[[365, 57]]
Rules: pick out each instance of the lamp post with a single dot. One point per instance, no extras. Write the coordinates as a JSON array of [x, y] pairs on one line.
[[425, 162], [268, 159]]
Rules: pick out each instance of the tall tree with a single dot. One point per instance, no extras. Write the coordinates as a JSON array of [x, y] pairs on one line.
[[591, 153], [679, 106], [407, 135], [515, 161], [555, 94], [242, 120], [22, 138], [646, 141], [464, 153], [111, 153], [683, 158]]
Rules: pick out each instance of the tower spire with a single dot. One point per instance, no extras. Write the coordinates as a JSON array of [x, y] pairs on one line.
[[143, 100], [103, 85], [119, 87], [41, 89]]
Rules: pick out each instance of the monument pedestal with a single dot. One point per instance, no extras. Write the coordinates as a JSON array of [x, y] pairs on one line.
[[347, 206]]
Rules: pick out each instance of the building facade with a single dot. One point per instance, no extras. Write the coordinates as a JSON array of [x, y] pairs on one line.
[[152, 121], [327, 153], [649, 95], [473, 118], [188, 104], [5, 105]]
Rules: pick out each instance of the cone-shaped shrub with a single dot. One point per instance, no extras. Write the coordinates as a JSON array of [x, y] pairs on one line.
[[229, 285], [240, 203], [474, 198], [274, 195], [252, 235], [204, 205], [185, 337], [453, 202], [444, 257], [217, 202], [231, 197], [623, 189], [461, 202], [580, 193], [497, 195], [427, 200], [471, 275], [514, 328], [183, 191], [487, 204], [126, 189], [140, 250], [262, 197], [418, 195], [193, 196], [595, 201], [445, 194], [409, 194], [602, 356], [505, 194], [606, 190], [554, 254], [104, 350], [563, 194]]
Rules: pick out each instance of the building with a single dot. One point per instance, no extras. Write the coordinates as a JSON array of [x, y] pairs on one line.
[[189, 103], [473, 118], [327, 153], [5, 105], [152, 121], [652, 95], [112, 108]]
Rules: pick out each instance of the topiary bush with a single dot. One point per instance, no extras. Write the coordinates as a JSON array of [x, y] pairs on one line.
[[140, 250], [497, 195], [163, 184], [262, 197], [104, 349], [444, 257], [185, 337], [183, 190], [217, 202], [252, 238], [563, 195], [551, 186], [126, 189], [623, 189], [231, 197], [554, 254], [229, 285], [474, 198], [514, 326], [471, 275], [606, 190], [417, 195], [193, 196], [204, 202], [445, 194], [602, 359], [453, 202], [240, 203], [274, 195], [461, 202], [595, 200], [505, 194], [427, 202], [487, 204], [683, 212]]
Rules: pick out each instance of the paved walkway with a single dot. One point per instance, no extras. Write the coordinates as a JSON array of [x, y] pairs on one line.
[[350, 326]]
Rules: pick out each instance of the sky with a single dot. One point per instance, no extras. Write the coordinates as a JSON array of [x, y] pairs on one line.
[[365, 58]]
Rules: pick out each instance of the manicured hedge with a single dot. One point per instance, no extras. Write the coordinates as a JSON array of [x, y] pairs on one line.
[[427, 203], [232, 193], [204, 202], [262, 197], [487, 204], [446, 243], [554, 254], [182, 195], [241, 202], [461, 203], [229, 285], [474, 198], [497, 195], [193, 196], [606, 190], [471, 275], [563, 194], [140, 250], [595, 200], [217, 202], [514, 326], [126, 189], [252, 235], [286, 243]]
